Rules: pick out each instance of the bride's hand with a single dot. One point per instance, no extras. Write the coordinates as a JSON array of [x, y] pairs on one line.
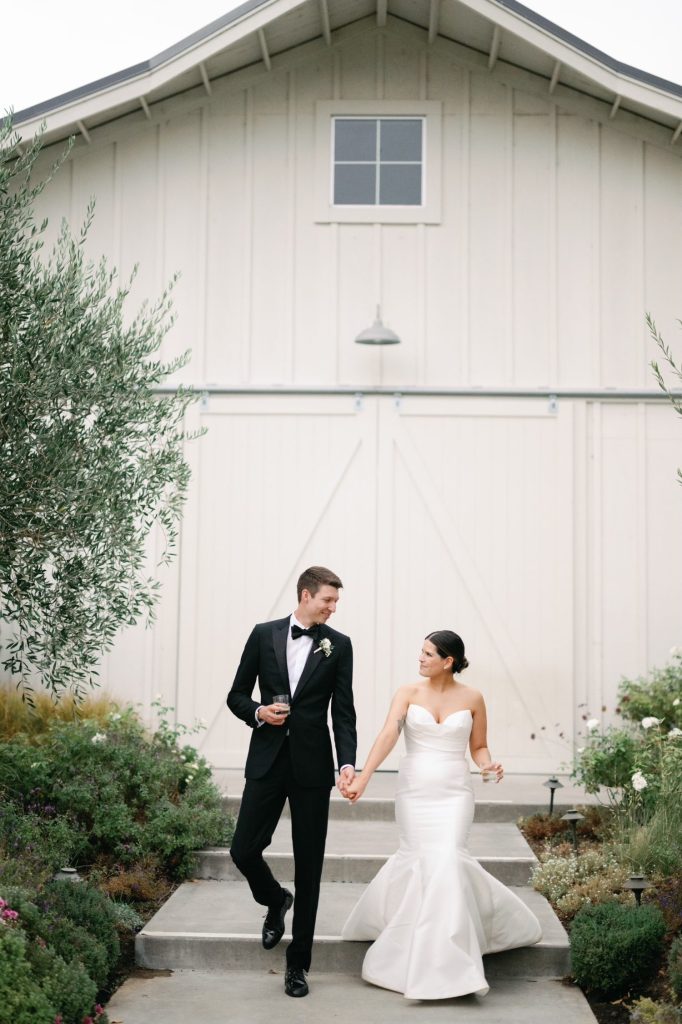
[[355, 789], [493, 768]]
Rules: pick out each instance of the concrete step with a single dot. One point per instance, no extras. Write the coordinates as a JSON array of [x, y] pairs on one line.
[[345, 867], [383, 809], [257, 997], [209, 925], [356, 854]]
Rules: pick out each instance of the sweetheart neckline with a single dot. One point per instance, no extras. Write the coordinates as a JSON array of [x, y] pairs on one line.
[[432, 717]]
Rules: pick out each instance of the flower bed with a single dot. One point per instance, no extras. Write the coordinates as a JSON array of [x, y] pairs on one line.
[[628, 959], [91, 788]]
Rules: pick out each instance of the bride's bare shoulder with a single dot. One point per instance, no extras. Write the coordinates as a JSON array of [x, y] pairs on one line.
[[407, 691], [475, 697]]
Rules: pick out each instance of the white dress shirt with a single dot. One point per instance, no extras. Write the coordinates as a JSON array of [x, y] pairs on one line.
[[297, 653]]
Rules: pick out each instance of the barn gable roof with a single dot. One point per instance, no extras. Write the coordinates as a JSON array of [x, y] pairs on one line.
[[506, 31]]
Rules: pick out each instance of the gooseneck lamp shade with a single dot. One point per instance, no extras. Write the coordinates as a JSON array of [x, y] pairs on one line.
[[377, 334]]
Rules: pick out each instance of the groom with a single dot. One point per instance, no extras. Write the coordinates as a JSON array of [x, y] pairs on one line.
[[290, 756]]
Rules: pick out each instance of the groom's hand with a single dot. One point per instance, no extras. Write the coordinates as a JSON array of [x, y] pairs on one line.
[[346, 776], [273, 714]]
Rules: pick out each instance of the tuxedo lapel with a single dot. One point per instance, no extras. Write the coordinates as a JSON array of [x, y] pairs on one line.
[[279, 642]]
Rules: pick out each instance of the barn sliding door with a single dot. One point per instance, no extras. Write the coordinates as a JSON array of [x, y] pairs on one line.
[[475, 501], [436, 513]]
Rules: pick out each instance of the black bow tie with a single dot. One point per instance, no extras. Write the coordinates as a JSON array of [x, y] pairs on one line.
[[296, 631]]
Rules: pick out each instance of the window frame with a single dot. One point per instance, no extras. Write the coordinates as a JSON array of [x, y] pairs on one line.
[[429, 212]]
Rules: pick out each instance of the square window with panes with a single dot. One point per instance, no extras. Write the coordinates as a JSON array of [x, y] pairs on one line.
[[378, 161]]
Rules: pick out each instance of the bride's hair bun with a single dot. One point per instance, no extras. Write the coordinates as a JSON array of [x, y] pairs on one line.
[[449, 645]]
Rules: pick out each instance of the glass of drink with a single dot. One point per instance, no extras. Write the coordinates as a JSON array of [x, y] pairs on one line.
[[488, 775], [282, 698]]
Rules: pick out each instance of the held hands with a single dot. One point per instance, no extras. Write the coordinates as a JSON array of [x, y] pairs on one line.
[[346, 776], [355, 789], [492, 771], [274, 714]]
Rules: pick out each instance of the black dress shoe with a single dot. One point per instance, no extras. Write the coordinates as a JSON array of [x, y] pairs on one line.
[[273, 925], [295, 983]]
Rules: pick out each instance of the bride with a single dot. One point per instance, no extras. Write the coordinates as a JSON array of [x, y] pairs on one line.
[[432, 910]]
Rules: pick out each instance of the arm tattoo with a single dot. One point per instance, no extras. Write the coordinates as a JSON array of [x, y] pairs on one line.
[[401, 724]]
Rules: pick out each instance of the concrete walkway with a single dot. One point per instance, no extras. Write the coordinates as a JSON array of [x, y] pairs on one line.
[[249, 997]]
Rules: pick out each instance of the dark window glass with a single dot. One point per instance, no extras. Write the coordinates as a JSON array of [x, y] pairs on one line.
[[401, 140], [355, 140], [355, 185], [400, 185], [390, 177]]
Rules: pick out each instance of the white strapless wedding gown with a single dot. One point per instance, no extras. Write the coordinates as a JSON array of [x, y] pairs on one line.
[[432, 910]]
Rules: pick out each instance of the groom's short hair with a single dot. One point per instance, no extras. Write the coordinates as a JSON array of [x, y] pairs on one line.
[[315, 577]]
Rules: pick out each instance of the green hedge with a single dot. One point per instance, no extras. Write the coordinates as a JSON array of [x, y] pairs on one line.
[[616, 949]]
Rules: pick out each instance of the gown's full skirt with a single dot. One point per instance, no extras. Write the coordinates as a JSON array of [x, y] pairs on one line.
[[432, 910]]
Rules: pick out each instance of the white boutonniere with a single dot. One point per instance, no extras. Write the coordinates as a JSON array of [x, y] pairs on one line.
[[326, 646]]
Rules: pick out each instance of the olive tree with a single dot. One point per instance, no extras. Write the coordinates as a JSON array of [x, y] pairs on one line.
[[91, 454]]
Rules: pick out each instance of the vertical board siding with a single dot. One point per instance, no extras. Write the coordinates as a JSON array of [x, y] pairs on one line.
[[662, 496], [556, 233], [533, 172], [181, 215], [446, 271], [315, 284], [663, 243], [489, 233], [577, 250], [228, 266], [621, 299], [137, 160]]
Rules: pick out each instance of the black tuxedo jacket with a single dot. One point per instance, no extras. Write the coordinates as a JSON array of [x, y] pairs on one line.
[[324, 680]]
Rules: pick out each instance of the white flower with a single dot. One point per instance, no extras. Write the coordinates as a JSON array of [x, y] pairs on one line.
[[36, 764], [115, 717], [325, 646], [202, 723], [592, 724], [99, 737], [649, 721], [158, 697], [639, 782], [675, 652], [676, 702], [675, 732], [580, 750]]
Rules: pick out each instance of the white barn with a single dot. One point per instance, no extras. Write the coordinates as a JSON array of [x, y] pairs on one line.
[[512, 199]]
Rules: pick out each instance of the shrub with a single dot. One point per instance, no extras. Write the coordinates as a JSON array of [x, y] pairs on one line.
[[84, 906], [607, 760], [127, 918], [654, 695], [646, 1011], [119, 796], [667, 896], [675, 968], [22, 1000], [616, 949], [140, 883], [34, 840], [550, 829], [67, 986], [74, 943]]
